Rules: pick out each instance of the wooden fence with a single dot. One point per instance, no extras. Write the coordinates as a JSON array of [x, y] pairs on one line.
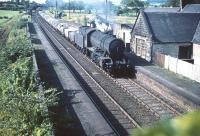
[[178, 66]]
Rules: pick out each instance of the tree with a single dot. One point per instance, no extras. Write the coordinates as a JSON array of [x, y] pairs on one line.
[[52, 3], [80, 5], [173, 3], [132, 3], [128, 6]]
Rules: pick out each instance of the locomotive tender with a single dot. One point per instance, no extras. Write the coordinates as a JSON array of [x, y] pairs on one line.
[[104, 49]]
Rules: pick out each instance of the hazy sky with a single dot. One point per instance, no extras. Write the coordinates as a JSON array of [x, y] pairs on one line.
[[87, 1], [114, 1]]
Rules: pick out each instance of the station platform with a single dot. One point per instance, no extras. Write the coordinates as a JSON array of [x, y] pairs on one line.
[[178, 85], [75, 113]]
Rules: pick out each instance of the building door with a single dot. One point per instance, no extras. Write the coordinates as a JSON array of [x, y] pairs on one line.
[[141, 49]]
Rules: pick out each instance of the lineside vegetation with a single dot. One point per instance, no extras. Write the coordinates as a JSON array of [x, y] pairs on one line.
[[23, 110], [187, 125]]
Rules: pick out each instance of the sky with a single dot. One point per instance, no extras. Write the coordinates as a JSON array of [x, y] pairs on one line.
[[114, 1], [43, 1]]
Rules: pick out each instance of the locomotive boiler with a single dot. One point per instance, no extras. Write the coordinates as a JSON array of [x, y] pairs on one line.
[[104, 49]]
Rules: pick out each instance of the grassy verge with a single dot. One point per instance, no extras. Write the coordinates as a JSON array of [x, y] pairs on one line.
[[22, 108]]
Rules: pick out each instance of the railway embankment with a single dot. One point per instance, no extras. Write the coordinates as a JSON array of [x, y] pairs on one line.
[[22, 108]]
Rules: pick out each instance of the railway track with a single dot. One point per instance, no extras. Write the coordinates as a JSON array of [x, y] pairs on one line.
[[160, 108], [131, 107], [121, 116]]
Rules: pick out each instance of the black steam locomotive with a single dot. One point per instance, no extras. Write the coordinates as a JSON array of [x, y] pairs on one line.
[[104, 49]]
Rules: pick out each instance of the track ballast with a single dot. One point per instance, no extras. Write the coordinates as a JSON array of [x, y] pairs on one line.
[[113, 100]]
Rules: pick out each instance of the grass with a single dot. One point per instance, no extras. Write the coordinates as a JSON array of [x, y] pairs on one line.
[[8, 13], [77, 17], [124, 19]]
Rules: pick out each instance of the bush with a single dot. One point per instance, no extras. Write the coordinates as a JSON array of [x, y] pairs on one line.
[[23, 111], [187, 125], [5, 17], [22, 23]]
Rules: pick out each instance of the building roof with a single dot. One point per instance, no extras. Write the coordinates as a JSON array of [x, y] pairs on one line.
[[163, 9], [196, 38], [172, 27], [191, 8], [186, 2]]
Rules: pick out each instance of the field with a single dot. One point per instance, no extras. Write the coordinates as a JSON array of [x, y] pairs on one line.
[[78, 17], [7, 21], [8, 14], [124, 19]]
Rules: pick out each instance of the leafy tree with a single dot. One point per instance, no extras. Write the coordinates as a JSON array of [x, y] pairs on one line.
[[187, 125], [132, 3], [128, 6], [173, 3], [52, 3], [80, 5]]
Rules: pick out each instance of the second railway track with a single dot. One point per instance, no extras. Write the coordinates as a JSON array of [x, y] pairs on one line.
[[128, 110]]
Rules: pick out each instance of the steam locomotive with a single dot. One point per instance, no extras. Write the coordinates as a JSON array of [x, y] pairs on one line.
[[104, 49]]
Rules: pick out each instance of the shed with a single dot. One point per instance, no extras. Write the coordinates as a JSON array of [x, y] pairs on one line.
[[123, 31], [191, 8], [170, 33]]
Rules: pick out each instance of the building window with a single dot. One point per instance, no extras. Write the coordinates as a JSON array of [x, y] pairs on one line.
[[185, 53]]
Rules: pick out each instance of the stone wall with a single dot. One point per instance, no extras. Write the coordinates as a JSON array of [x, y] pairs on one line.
[[141, 31], [171, 49]]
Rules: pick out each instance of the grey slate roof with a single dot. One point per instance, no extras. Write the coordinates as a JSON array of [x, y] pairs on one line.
[[164, 9], [172, 27], [196, 38], [191, 8]]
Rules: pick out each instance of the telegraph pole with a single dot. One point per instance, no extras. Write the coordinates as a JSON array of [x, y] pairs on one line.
[[56, 9], [106, 10], [181, 5], [69, 9]]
